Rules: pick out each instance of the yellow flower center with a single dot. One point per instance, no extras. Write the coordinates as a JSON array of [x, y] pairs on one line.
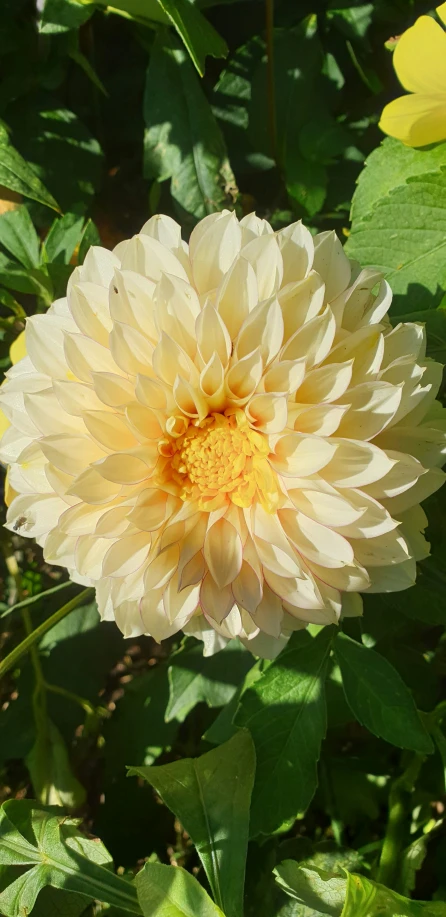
[[225, 457]]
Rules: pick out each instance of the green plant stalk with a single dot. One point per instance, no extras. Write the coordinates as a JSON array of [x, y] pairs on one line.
[[271, 91], [396, 830], [32, 599], [33, 637]]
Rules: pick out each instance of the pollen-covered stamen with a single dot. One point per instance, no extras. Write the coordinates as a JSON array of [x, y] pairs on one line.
[[223, 455]]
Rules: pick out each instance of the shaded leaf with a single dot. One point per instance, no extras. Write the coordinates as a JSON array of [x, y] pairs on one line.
[[62, 15], [214, 680], [378, 696], [17, 175], [182, 140], [211, 795], [56, 854], [314, 888], [367, 899], [169, 891], [18, 236], [64, 236], [50, 770], [286, 715]]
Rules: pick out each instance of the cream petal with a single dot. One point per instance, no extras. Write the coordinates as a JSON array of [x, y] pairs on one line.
[[126, 555], [331, 263], [71, 453], [189, 399], [263, 253], [253, 226], [372, 406], [131, 302], [237, 295], [130, 349], [212, 336], [45, 411], [284, 376], [89, 307], [244, 377], [177, 309], [213, 246], [161, 569], [333, 509], [268, 613], [76, 397], [112, 390], [33, 515], [92, 488], [326, 383], [300, 302], [125, 468], [85, 356], [393, 578], [169, 360], [268, 413], [165, 229], [216, 602], [297, 250], [144, 423], [263, 329], [313, 341], [296, 454], [426, 485], [98, 267], [152, 393], [319, 543], [151, 510], [180, 606], [109, 430], [356, 464], [247, 588], [405, 340], [320, 419], [45, 344], [145, 255], [223, 552], [390, 548]]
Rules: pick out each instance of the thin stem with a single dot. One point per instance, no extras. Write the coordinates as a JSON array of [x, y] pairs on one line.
[[396, 830], [271, 92], [32, 599], [83, 702], [32, 638]]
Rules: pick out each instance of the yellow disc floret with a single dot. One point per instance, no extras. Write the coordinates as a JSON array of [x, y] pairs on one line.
[[224, 456]]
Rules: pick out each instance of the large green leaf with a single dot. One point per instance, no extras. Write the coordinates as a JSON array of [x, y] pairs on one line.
[[378, 696], [17, 175], [214, 680], [182, 140], [286, 715], [389, 167], [169, 891], [54, 852], [353, 896], [60, 149], [48, 763], [211, 795], [18, 236], [368, 899], [311, 887], [63, 15], [137, 731], [399, 222]]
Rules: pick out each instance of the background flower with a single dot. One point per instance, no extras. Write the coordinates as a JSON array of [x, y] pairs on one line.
[[420, 63], [226, 437]]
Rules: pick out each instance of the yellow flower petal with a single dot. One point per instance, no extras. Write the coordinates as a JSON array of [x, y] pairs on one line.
[[416, 119], [420, 57], [441, 12]]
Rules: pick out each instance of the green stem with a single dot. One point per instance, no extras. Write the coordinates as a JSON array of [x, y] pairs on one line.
[[83, 702], [271, 92], [396, 830], [32, 599], [33, 637]]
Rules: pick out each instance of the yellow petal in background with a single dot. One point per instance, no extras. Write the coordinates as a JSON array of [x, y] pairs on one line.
[[420, 57], [416, 119], [441, 12]]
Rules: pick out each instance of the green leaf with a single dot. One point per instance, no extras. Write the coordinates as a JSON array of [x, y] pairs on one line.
[[286, 715], [90, 237], [17, 175], [182, 139], [60, 148], [311, 887], [169, 891], [223, 726], [378, 697], [214, 680], [307, 183], [389, 167], [64, 235], [18, 236], [440, 741], [50, 770], [137, 731], [368, 899], [399, 221], [196, 790], [56, 854], [198, 35], [63, 15]]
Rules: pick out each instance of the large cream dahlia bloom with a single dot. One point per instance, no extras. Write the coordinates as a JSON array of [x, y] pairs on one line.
[[226, 438]]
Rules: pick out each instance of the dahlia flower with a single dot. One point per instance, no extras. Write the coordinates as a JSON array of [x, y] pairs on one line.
[[228, 437], [420, 63]]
